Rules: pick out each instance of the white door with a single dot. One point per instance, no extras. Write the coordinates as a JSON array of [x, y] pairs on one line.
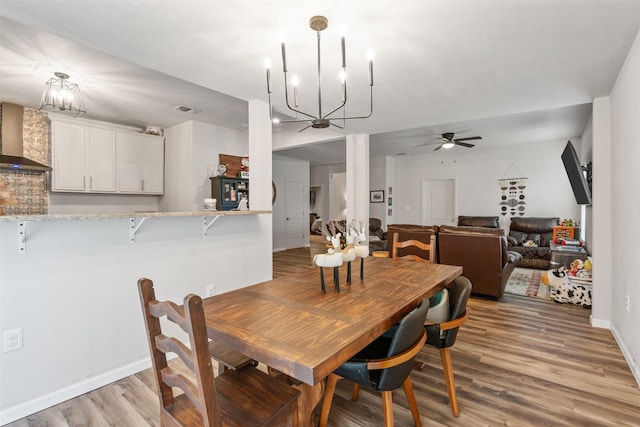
[[294, 214], [438, 202]]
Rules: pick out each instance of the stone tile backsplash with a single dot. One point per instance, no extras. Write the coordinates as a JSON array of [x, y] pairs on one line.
[[30, 188]]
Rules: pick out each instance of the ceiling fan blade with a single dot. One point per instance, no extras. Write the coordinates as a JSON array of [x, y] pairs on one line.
[[464, 144], [438, 147], [471, 138], [427, 143]]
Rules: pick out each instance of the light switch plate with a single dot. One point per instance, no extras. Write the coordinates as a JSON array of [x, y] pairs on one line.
[[12, 340]]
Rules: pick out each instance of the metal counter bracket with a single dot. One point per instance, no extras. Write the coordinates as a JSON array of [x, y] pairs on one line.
[[206, 226], [133, 228], [22, 237]]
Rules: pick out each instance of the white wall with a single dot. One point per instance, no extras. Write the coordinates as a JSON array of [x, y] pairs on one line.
[[191, 152], [625, 206], [338, 196], [284, 169], [378, 181], [320, 176], [73, 294], [477, 172]]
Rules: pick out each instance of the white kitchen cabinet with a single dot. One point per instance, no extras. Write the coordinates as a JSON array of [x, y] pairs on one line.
[[83, 158], [139, 163]]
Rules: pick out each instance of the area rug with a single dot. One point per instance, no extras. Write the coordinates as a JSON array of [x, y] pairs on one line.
[[526, 282]]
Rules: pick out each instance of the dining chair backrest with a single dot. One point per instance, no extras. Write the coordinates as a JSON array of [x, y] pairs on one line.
[[443, 334], [408, 333], [201, 393], [458, 298], [426, 251]]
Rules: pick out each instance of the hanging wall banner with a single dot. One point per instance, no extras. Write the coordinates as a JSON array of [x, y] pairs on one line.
[[512, 198]]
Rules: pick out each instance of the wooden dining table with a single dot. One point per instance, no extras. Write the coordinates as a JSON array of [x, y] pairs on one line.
[[291, 326]]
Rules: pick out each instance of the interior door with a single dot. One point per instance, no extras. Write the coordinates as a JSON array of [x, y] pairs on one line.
[[295, 225], [438, 202]]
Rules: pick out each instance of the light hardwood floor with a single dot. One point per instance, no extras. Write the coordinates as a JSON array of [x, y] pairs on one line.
[[517, 362]]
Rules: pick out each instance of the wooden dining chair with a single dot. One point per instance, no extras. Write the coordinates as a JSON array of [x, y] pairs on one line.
[[245, 397], [383, 366], [427, 251]]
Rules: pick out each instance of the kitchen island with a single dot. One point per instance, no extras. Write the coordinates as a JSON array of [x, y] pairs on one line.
[[68, 285]]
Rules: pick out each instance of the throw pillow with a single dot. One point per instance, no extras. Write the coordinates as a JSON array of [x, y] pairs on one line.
[[535, 238], [519, 236]]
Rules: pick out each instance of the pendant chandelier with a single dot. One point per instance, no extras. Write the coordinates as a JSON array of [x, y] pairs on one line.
[[320, 120], [61, 95]]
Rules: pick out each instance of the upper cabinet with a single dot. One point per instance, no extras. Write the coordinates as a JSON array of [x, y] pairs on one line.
[[98, 159], [83, 158], [140, 163]]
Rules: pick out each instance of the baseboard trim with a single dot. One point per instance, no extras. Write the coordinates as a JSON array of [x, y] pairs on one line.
[[626, 353], [599, 323], [24, 409]]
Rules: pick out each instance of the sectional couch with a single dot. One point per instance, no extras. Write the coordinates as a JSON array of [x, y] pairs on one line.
[[530, 237], [476, 244]]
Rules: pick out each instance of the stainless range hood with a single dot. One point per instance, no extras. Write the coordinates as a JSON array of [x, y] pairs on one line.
[[12, 153]]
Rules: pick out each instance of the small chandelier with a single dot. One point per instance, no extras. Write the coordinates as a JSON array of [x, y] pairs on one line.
[[61, 95], [319, 120]]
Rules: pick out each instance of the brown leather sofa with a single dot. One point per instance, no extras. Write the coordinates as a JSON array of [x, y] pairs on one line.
[[421, 233], [482, 252], [538, 230]]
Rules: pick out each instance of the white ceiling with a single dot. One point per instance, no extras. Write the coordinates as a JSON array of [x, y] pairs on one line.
[[512, 71]]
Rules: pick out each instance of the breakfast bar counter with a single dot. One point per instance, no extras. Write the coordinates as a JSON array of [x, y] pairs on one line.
[[65, 217], [68, 287]]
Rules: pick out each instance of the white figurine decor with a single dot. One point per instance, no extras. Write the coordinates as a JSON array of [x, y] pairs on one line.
[[333, 258]]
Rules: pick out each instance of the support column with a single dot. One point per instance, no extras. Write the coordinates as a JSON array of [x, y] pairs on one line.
[[602, 244], [357, 147], [260, 167]]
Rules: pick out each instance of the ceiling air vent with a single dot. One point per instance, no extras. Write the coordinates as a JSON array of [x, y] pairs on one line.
[[185, 109]]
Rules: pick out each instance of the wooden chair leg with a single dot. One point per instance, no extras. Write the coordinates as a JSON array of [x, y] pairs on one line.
[[411, 398], [447, 368], [387, 408], [332, 380], [355, 392], [221, 368]]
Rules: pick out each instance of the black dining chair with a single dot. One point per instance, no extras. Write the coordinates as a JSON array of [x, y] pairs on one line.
[[383, 366], [443, 335]]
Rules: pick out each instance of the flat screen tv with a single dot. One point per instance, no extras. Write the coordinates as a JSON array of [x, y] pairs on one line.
[[579, 185]]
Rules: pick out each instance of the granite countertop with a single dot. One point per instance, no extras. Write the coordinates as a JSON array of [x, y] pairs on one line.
[[65, 217]]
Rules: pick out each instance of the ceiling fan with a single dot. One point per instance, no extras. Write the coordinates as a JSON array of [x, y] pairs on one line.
[[447, 141]]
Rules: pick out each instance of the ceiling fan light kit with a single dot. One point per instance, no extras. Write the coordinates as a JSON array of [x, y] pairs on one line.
[[319, 120], [447, 141]]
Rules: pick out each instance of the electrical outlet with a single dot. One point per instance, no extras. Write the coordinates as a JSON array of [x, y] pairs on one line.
[[12, 340], [627, 302], [211, 290]]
